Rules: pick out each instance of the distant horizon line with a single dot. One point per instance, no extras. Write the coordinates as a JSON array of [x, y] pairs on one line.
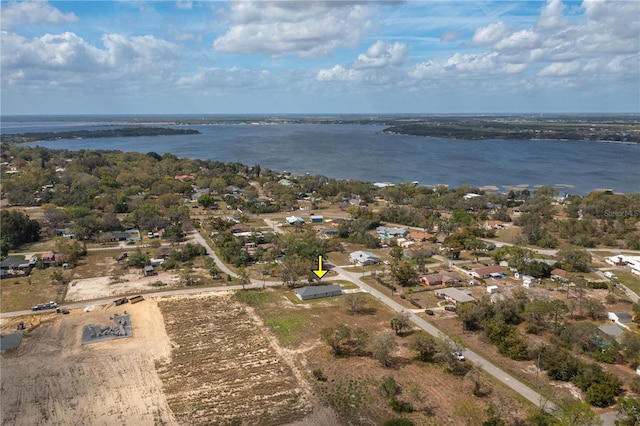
[[320, 114]]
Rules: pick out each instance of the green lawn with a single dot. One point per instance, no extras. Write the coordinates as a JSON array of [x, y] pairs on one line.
[[288, 326], [630, 280]]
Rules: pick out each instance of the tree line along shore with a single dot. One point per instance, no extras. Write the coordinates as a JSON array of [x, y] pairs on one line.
[[123, 132]]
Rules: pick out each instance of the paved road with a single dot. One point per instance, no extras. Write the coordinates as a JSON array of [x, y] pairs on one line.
[[490, 368]]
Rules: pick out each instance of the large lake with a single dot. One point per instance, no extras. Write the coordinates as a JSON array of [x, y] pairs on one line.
[[351, 151]]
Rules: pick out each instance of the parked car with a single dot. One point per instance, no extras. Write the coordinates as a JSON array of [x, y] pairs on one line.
[[458, 356], [450, 308]]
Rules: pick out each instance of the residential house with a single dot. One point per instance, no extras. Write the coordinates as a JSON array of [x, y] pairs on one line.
[[363, 258], [292, 220], [559, 275], [614, 331], [48, 258], [631, 262], [240, 228], [420, 236], [13, 265], [495, 224], [384, 232], [197, 192], [438, 278], [488, 271], [454, 295], [621, 318], [317, 292]]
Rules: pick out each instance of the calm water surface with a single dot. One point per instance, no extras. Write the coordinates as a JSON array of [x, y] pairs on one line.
[[350, 151]]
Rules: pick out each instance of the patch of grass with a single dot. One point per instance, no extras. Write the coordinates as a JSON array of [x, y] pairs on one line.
[[253, 297], [629, 280], [287, 326]]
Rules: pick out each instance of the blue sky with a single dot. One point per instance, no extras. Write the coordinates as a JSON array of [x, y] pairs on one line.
[[219, 57]]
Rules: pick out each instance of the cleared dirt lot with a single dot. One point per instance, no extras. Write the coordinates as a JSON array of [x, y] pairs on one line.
[[51, 379], [216, 365], [101, 287]]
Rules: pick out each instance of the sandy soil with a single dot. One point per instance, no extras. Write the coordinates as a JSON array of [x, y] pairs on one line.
[[51, 379], [107, 286]]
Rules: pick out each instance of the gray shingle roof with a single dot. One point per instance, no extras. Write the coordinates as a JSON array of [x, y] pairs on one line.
[[318, 289]]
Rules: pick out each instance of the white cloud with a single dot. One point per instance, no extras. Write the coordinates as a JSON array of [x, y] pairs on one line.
[[226, 78], [382, 54], [551, 16], [490, 34], [304, 29], [340, 73], [45, 57], [380, 65], [560, 69], [524, 39], [15, 14]]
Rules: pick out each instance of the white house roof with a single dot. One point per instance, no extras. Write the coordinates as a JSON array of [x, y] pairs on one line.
[[363, 255], [622, 317], [294, 219], [455, 294]]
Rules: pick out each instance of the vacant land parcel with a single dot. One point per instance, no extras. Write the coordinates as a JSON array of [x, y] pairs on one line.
[[224, 368]]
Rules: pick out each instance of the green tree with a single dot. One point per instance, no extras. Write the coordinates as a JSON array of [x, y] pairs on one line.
[[474, 244], [18, 229], [381, 347], [424, 344], [630, 341], [573, 412], [356, 302], [206, 200], [574, 259], [337, 338], [400, 322], [404, 273], [243, 276], [138, 259], [628, 411]]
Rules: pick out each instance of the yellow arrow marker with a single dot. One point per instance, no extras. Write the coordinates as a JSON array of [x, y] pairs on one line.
[[319, 272]]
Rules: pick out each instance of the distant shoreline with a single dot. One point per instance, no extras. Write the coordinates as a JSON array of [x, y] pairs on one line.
[[124, 132]]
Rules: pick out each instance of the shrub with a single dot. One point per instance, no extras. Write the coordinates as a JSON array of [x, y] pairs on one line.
[[317, 373], [398, 422]]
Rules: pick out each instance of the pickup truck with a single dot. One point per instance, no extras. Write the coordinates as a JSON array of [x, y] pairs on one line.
[[45, 306]]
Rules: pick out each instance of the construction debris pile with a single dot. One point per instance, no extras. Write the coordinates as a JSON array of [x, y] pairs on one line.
[[96, 333]]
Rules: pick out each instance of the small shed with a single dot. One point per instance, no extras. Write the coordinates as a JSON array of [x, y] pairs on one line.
[[316, 218], [528, 281], [318, 292], [492, 289], [148, 271]]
